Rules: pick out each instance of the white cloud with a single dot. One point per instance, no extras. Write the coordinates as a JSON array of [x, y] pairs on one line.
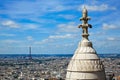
[[44, 41], [61, 36], [109, 26], [102, 7], [68, 17], [9, 41], [33, 7], [32, 26], [22, 26], [29, 38], [70, 44], [57, 8], [111, 39], [64, 32], [52, 38], [70, 27], [10, 23], [29, 26], [8, 35]]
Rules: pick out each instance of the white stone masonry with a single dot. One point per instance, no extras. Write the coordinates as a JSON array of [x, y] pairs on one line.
[[85, 63]]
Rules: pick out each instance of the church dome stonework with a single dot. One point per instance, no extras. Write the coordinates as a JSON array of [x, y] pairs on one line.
[[85, 63]]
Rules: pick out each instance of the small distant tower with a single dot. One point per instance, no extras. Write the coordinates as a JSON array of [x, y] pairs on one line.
[[30, 56], [85, 63]]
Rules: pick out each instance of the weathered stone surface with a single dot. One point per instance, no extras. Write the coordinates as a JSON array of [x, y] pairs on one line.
[[85, 63]]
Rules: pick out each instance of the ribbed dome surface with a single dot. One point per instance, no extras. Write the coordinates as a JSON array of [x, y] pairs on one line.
[[85, 63]]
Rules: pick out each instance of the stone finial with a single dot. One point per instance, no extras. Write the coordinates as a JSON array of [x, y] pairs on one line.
[[85, 24]]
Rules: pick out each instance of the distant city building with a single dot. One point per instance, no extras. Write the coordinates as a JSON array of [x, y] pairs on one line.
[[30, 56], [85, 63]]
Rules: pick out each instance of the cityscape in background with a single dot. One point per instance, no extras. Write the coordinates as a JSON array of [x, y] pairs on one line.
[[47, 66]]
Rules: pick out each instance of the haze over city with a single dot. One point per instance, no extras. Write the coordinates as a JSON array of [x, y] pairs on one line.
[[51, 26]]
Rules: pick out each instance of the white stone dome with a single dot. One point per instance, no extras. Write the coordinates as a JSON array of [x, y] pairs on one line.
[[85, 63]]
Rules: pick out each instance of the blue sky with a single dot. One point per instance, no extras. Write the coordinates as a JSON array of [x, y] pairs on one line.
[[50, 26]]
